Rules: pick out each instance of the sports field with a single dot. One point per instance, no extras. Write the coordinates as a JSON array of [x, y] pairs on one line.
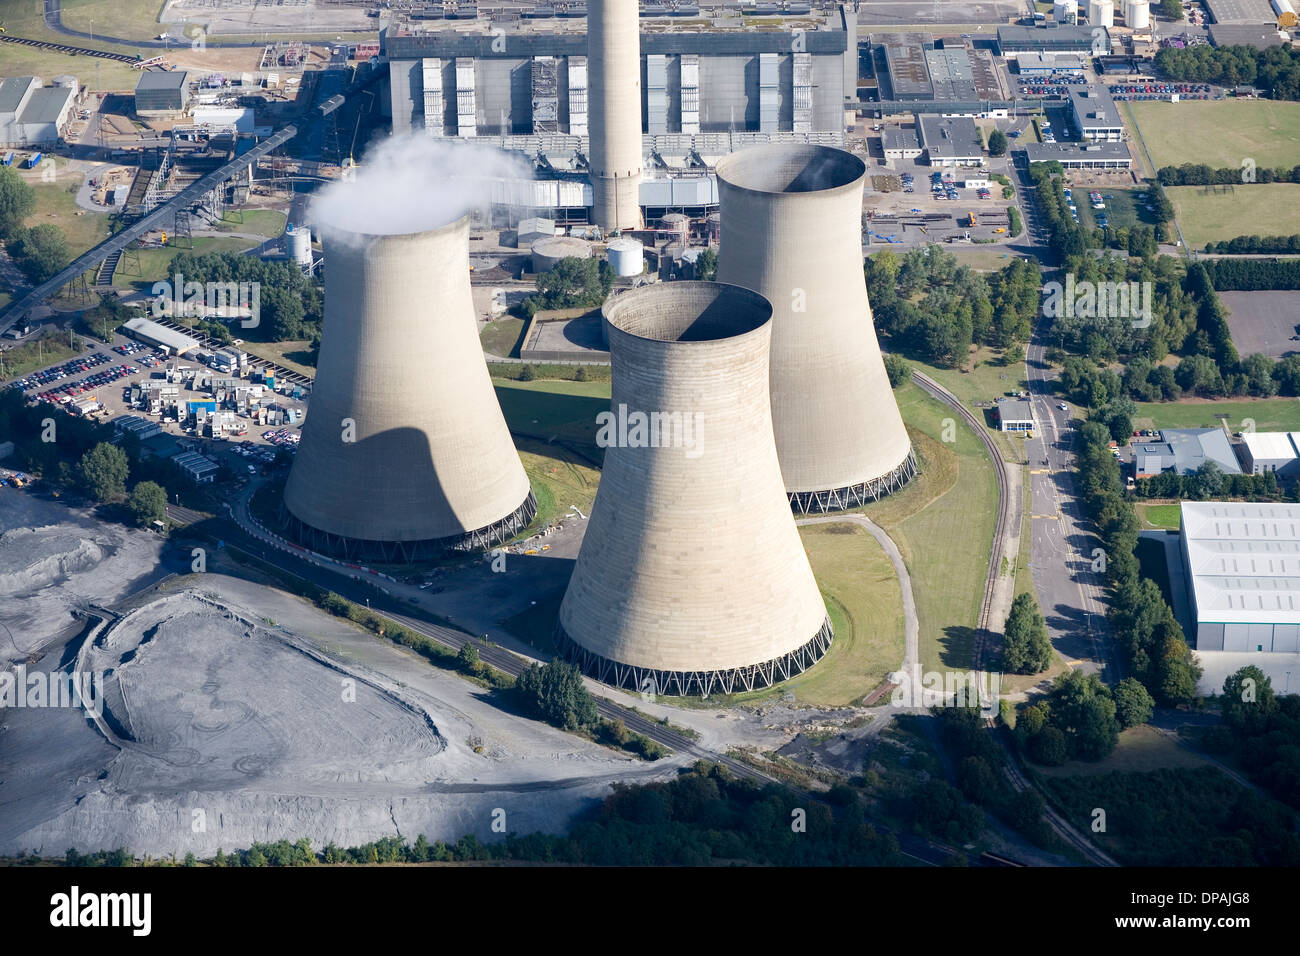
[[1271, 209], [1221, 132]]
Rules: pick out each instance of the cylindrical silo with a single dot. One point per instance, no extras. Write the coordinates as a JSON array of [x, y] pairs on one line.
[[626, 256], [404, 452], [792, 231], [1101, 13], [692, 578], [1138, 14], [547, 253], [614, 109], [678, 226], [299, 243], [1065, 11]]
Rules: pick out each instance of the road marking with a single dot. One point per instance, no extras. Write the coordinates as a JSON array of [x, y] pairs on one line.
[[1040, 471], [1048, 517]]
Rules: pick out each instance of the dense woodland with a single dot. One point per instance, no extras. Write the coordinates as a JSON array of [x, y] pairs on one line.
[[1275, 70]]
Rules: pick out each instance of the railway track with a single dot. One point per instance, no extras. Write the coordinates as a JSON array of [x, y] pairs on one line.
[[70, 50]]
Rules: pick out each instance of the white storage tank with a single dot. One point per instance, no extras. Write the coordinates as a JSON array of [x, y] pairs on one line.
[[547, 253], [1065, 11], [626, 256], [299, 243], [1138, 14], [1101, 13]]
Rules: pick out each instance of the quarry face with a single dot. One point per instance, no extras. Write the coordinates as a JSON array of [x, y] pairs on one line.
[[230, 713]]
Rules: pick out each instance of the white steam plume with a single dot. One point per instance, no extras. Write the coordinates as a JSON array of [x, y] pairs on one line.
[[413, 183]]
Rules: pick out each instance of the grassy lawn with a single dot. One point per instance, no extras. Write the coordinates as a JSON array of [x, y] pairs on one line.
[[987, 380], [1159, 516], [954, 497], [130, 19], [559, 477], [982, 258], [262, 222], [1123, 210], [1264, 209], [1270, 414], [502, 337], [1221, 132], [56, 205], [25, 18], [866, 605], [1140, 748], [548, 410], [292, 355], [155, 264], [36, 354]]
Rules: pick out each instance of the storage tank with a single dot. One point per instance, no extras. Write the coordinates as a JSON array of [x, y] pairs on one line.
[[1286, 15], [405, 454], [627, 256], [792, 231], [1101, 13], [678, 225], [692, 578], [1065, 11], [1138, 14], [299, 243], [547, 253]]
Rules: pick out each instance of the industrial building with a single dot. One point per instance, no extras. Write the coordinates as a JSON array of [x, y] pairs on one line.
[[900, 142], [1278, 452], [151, 333], [480, 80], [405, 454], [950, 140], [140, 428], [197, 468], [1183, 451], [1052, 38], [948, 80], [1049, 64], [1260, 36], [162, 93], [1015, 415], [1099, 155], [1251, 12], [1242, 565], [1095, 115], [791, 229], [692, 578], [32, 114]]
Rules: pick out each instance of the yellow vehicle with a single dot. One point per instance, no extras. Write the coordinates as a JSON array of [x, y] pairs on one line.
[[1000, 229]]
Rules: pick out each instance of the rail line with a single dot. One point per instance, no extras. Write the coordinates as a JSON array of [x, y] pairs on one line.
[[70, 50]]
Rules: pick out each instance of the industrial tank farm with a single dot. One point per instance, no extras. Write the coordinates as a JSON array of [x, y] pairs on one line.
[[692, 578], [405, 453], [791, 229]]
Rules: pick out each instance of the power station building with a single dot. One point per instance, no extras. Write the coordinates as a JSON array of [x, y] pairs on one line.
[[791, 230], [500, 79], [692, 578], [405, 453]]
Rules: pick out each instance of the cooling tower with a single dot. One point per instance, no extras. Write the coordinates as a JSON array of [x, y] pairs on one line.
[[404, 452], [791, 230], [614, 89], [692, 573]]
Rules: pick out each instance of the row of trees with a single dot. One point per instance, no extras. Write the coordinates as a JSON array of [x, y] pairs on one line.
[[1081, 718], [1258, 375], [291, 303], [1250, 275], [1199, 174], [1209, 482], [573, 284], [1146, 631], [1276, 70], [934, 308], [39, 251], [1258, 245]]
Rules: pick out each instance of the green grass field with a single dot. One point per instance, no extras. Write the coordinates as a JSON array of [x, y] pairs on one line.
[[987, 380], [1221, 132], [1269, 414], [1264, 209], [546, 409], [129, 19], [1140, 748], [502, 337], [263, 222], [56, 205], [24, 18], [954, 498], [294, 355], [1159, 516], [155, 263], [33, 355], [1123, 210], [559, 477]]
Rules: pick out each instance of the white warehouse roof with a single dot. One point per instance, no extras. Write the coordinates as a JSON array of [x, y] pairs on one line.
[[1243, 561], [1272, 445]]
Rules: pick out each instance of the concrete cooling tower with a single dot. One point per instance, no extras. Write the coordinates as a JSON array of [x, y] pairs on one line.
[[791, 230], [404, 453], [614, 88], [692, 578]]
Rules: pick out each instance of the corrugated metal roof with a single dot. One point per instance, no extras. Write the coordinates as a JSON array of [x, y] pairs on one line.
[[1244, 561]]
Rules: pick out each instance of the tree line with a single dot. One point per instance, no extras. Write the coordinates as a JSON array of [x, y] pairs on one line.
[[291, 303], [933, 308], [1199, 174], [1275, 70], [1263, 245], [1081, 718], [39, 251]]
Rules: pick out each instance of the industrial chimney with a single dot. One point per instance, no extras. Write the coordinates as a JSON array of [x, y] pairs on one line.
[[614, 88], [692, 578], [404, 453], [791, 229]]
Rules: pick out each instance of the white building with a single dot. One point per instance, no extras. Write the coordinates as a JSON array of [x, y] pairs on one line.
[[1095, 114], [32, 114], [1242, 566], [1278, 452]]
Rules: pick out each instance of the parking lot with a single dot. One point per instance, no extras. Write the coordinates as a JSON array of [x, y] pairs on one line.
[[1264, 321], [924, 204]]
